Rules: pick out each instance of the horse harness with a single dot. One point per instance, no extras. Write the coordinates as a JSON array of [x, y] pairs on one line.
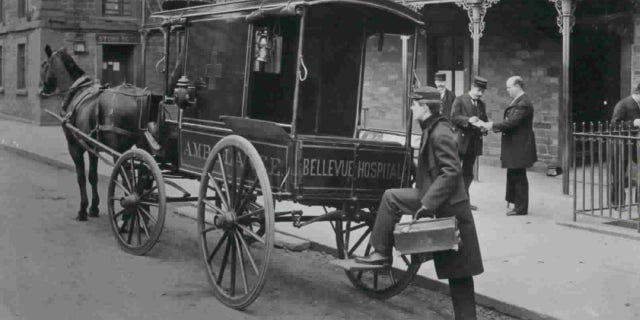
[[78, 94]]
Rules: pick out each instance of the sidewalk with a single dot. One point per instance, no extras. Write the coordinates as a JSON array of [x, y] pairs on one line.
[[535, 266]]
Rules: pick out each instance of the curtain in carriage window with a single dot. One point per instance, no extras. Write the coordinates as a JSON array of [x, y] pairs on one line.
[[215, 62]]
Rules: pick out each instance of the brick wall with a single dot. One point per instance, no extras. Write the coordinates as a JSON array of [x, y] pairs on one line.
[[635, 54]]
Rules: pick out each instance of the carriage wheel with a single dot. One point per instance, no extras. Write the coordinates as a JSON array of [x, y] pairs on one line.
[[136, 201], [353, 239], [236, 229]]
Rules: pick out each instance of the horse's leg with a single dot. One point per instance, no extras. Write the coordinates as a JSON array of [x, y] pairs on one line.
[[77, 154], [94, 211]]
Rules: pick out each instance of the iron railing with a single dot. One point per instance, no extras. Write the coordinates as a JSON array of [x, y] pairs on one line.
[[605, 177]]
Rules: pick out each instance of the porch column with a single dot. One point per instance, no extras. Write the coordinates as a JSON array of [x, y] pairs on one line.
[[476, 9], [565, 20]]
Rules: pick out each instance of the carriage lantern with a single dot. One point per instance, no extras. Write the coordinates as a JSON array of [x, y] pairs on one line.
[[263, 48], [184, 93]]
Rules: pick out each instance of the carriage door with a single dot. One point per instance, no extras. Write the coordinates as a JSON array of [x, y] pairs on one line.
[[116, 64]]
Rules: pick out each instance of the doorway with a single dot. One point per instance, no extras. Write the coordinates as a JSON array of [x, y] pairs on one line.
[[595, 64], [116, 64]]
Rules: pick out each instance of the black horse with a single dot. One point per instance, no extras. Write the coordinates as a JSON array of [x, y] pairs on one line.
[[109, 115]]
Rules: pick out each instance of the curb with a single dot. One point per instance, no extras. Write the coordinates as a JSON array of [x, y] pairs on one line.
[[631, 235], [420, 281], [50, 161]]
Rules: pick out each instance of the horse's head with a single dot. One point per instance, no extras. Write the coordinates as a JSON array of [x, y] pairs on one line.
[[58, 71]]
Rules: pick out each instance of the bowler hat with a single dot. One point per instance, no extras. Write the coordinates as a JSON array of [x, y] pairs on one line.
[[441, 77], [426, 93], [480, 82]]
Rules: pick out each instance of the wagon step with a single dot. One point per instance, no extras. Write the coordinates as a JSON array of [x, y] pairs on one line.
[[353, 265]]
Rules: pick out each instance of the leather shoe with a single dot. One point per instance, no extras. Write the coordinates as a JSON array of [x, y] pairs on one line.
[[473, 208], [376, 258], [516, 213]]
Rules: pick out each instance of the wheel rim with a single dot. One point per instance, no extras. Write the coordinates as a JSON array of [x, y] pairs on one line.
[[353, 240], [136, 202], [235, 229]]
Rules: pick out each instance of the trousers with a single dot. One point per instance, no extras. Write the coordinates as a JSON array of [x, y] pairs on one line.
[[518, 189], [468, 161]]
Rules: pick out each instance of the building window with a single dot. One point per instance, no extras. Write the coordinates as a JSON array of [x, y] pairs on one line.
[[116, 7], [22, 66], [22, 8], [1, 69]]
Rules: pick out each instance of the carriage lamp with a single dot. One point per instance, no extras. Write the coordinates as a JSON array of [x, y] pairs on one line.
[[262, 49], [184, 93]]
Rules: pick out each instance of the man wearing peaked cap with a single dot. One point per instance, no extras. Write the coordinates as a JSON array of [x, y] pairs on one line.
[[446, 96], [468, 109], [439, 192]]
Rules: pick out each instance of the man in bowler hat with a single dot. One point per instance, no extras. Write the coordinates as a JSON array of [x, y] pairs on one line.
[[518, 145], [446, 96], [466, 110], [439, 193]]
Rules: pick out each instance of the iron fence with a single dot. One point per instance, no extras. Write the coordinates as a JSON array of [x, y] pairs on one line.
[[605, 175]]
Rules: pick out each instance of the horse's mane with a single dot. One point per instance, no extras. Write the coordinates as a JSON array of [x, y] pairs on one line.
[[74, 70]]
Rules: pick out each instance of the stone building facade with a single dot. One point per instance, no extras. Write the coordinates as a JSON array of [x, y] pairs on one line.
[[102, 36]]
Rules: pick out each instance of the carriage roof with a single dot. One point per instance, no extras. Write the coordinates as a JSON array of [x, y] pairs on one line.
[[249, 6]]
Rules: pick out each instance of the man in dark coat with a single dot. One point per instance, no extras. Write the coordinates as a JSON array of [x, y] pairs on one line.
[[440, 193], [518, 145], [466, 110], [626, 111], [446, 96]]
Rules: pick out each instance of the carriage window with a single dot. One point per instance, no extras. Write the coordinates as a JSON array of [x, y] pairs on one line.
[[215, 61], [384, 82]]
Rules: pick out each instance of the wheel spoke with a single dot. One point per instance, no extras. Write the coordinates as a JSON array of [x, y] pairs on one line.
[[137, 225], [224, 262], [210, 229], [356, 227], [248, 195], [357, 244], [234, 194], [149, 203], [375, 279], [213, 207], [143, 210], [245, 174], [233, 266], [148, 192], [133, 173], [218, 246], [218, 191], [251, 233], [249, 256], [224, 178], [126, 178], [119, 213], [404, 258], [119, 185], [144, 227], [393, 279], [130, 236], [254, 212], [243, 271]]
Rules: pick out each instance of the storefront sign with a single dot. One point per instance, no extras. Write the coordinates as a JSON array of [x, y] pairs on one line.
[[117, 38]]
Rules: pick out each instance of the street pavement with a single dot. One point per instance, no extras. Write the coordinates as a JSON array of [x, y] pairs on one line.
[[540, 266]]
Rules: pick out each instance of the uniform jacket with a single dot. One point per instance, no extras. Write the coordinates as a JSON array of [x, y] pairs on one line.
[[439, 180], [469, 136], [626, 109], [518, 140], [447, 103]]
